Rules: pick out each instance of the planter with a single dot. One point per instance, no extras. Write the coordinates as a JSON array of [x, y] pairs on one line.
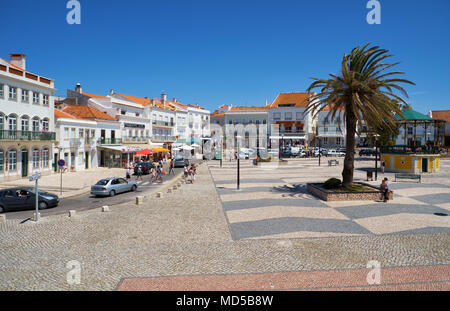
[[319, 191]]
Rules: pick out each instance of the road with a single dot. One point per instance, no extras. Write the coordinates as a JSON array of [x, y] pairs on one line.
[[88, 201]]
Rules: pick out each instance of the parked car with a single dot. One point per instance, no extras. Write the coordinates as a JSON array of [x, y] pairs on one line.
[[181, 162], [145, 167], [112, 186], [246, 153], [367, 152], [286, 153], [335, 153], [16, 199]]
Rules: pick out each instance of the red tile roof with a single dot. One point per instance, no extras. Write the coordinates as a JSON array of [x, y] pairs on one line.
[[441, 115], [139, 100], [297, 99], [87, 112], [93, 95], [61, 114]]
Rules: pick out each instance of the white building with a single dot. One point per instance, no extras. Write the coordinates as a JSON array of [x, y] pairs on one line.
[[26, 120], [332, 132], [288, 112]]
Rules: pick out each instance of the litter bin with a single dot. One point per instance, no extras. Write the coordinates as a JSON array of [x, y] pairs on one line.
[[370, 175], [255, 162]]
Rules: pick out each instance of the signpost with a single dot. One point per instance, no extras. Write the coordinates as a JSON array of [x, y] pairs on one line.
[[61, 164], [36, 177]]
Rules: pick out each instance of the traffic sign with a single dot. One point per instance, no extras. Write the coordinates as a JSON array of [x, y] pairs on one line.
[[61, 162], [35, 177]]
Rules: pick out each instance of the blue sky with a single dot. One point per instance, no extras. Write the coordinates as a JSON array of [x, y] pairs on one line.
[[216, 52]]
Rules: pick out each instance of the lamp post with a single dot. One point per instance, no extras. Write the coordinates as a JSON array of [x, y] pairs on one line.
[[238, 138], [376, 156]]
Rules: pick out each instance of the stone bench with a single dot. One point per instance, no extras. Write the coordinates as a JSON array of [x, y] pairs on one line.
[[333, 162]]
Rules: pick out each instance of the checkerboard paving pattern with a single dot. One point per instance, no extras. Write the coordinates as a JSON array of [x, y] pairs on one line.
[[273, 203]]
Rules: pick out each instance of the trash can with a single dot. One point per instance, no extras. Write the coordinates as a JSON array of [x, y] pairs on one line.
[[369, 175], [255, 162]]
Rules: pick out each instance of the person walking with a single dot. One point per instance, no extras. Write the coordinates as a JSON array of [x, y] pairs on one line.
[[139, 173], [172, 167], [383, 165], [128, 174]]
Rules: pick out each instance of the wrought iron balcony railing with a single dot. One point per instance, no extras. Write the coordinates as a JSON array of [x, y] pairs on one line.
[[26, 135], [109, 141]]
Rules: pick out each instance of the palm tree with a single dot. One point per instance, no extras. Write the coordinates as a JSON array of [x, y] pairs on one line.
[[364, 90]]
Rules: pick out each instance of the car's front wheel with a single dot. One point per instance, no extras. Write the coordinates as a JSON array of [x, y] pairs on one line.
[[42, 205]]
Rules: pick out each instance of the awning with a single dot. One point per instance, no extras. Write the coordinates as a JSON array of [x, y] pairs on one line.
[[287, 137], [122, 148]]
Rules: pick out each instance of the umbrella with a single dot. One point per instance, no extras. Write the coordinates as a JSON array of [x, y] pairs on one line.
[[176, 149], [195, 145], [144, 152], [161, 150]]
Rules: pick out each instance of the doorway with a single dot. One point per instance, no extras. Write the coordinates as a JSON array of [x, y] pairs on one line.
[[86, 160], [424, 165], [24, 163]]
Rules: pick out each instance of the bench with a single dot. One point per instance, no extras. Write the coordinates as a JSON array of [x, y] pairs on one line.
[[333, 162], [408, 176]]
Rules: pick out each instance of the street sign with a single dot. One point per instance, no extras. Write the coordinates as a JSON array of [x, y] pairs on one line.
[[35, 177], [61, 162]]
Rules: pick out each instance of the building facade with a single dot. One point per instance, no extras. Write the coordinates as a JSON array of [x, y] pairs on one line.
[[27, 130]]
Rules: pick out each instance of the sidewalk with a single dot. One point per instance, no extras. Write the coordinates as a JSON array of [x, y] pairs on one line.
[[74, 183]]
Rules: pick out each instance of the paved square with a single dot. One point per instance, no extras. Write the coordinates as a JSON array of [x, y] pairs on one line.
[[273, 203]]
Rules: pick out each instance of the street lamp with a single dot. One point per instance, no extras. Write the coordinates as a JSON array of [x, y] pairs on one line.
[[376, 156], [238, 138]]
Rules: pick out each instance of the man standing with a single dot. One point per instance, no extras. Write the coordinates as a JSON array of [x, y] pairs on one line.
[[171, 167]]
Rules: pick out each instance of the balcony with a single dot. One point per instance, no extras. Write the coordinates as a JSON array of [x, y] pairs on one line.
[[161, 138], [109, 141], [26, 135], [163, 123], [135, 139], [75, 142], [331, 131], [291, 133]]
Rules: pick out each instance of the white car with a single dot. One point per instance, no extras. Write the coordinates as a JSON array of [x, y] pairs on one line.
[[334, 153]]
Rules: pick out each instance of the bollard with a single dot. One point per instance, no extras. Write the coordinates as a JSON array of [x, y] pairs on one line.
[[105, 208], [179, 185], [2, 218], [139, 200], [72, 213], [169, 190], [175, 187], [38, 216], [159, 194]]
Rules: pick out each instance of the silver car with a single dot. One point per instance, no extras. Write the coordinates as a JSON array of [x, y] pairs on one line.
[[112, 186]]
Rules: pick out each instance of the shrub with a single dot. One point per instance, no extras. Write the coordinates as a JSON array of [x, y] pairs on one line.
[[269, 159], [332, 183]]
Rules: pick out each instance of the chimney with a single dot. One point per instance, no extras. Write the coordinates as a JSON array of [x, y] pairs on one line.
[[266, 102], [78, 88], [111, 92], [174, 100], [18, 60]]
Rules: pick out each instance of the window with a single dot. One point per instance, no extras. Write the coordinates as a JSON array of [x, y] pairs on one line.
[[299, 115], [2, 159], [338, 141], [325, 120], [45, 99], [12, 93], [72, 133], [410, 130], [2, 87], [288, 115], [264, 121], [45, 125], [12, 161], [1, 121], [25, 125], [35, 98], [277, 116], [35, 124], [80, 133], [25, 96], [122, 112], [66, 132], [12, 121], [35, 158]]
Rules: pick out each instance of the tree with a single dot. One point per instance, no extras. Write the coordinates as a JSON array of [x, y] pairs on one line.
[[364, 90]]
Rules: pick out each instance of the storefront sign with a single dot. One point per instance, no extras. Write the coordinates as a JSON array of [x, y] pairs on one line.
[[133, 125]]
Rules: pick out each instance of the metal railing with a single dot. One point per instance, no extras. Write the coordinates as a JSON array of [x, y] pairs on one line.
[[162, 123], [402, 149], [163, 138], [135, 139], [26, 135], [109, 141]]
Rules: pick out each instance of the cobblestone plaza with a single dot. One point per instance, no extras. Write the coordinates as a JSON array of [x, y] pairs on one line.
[[269, 235]]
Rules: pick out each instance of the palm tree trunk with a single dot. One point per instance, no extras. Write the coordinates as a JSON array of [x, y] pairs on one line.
[[347, 172]]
